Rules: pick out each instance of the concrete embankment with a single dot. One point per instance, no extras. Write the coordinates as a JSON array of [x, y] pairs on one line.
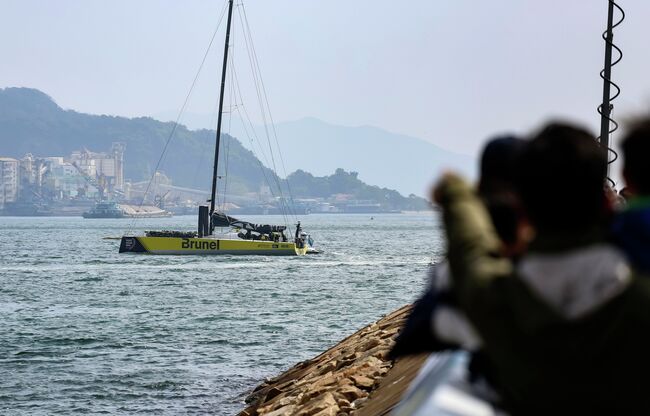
[[355, 377]]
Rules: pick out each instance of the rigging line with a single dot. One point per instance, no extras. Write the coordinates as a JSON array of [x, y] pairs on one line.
[[241, 98], [268, 106], [248, 136], [178, 117], [252, 150], [213, 120], [256, 74], [229, 140], [257, 87], [282, 202], [250, 123], [212, 125], [277, 143], [262, 168], [245, 117]]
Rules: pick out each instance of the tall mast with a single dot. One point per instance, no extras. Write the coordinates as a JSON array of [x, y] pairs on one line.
[[607, 124], [213, 197], [606, 107]]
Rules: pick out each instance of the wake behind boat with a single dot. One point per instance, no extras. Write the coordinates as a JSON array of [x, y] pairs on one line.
[[240, 237]]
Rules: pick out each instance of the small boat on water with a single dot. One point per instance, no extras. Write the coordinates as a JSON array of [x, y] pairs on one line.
[[239, 237], [105, 210], [115, 210]]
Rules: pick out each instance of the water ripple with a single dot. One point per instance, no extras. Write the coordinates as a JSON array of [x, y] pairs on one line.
[[86, 330]]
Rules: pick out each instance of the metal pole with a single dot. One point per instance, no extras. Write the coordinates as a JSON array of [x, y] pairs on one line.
[[219, 116], [606, 107]]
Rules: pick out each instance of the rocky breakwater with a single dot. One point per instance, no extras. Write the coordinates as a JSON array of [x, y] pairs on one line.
[[340, 380]]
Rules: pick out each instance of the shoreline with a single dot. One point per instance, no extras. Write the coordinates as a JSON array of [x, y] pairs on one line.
[[342, 379]]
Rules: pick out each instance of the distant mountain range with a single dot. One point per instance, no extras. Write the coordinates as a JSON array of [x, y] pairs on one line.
[[397, 161], [31, 122]]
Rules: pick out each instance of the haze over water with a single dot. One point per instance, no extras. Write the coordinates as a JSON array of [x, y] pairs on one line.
[[85, 329]]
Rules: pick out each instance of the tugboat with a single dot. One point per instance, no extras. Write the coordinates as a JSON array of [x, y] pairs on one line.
[[241, 237]]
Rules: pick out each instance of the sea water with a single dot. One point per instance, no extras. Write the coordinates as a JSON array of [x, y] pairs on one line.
[[84, 329]]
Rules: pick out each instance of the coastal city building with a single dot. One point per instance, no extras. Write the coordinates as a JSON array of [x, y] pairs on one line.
[[65, 185], [34, 180], [8, 180], [106, 165], [65, 180]]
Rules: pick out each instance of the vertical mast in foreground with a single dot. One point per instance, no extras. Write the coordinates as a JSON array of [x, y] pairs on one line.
[[213, 196], [605, 109]]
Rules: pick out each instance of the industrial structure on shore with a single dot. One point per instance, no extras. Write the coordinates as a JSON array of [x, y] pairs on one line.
[[60, 185], [72, 185]]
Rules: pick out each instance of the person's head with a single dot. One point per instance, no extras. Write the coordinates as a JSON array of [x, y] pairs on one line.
[[498, 164], [497, 189], [636, 151], [560, 176]]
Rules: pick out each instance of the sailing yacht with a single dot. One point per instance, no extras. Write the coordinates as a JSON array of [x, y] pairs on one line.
[[242, 237]]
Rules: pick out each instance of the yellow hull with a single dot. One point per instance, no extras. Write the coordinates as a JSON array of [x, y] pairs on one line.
[[208, 246]]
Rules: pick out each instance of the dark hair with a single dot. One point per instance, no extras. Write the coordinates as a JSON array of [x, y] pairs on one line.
[[560, 179], [498, 164], [636, 151], [497, 185]]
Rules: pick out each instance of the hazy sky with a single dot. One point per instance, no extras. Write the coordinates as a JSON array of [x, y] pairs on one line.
[[451, 72]]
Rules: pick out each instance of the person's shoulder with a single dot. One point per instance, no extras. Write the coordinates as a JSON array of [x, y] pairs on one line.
[[632, 324], [637, 295], [634, 214], [497, 289], [640, 284]]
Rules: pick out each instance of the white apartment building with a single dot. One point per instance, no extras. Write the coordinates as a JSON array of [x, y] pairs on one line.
[[8, 180]]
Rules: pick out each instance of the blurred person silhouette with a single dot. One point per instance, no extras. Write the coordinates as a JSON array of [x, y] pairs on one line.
[[564, 329], [435, 323], [631, 228], [616, 200], [626, 194]]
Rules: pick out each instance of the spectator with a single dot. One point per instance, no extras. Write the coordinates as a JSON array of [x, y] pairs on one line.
[[632, 226], [435, 323], [564, 330]]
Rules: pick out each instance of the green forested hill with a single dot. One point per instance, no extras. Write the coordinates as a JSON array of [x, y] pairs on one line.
[[31, 122], [342, 182]]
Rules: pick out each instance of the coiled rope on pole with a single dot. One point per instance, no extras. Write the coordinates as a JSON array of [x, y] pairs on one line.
[[608, 125]]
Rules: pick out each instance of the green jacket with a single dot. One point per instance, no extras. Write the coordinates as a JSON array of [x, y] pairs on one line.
[[566, 329]]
